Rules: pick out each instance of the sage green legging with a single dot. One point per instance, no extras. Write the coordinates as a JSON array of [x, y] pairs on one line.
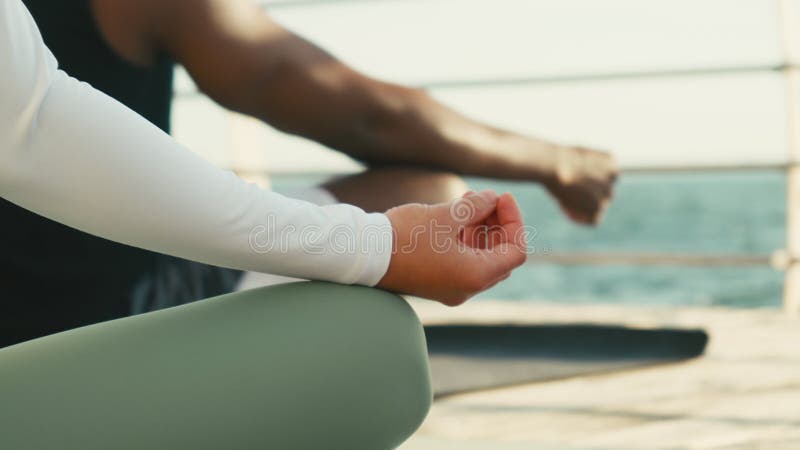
[[307, 365]]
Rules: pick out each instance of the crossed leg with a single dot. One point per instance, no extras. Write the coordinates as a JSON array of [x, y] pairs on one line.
[[305, 365]]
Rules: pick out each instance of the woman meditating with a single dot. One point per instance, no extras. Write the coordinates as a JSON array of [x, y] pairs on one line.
[[298, 366]]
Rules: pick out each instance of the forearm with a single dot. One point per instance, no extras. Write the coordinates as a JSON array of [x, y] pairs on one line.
[[72, 154], [381, 123], [414, 128]]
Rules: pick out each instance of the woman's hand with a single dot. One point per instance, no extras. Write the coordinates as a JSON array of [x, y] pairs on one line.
[[452, 251], [584, 183]]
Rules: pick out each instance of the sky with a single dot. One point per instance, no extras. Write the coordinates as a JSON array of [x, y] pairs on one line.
[[720, 119]]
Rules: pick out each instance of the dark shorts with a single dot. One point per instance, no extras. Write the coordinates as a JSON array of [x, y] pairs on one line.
[[39, 303], [175, 281]]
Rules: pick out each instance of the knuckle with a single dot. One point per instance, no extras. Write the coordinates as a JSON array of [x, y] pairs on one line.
[[522, 258], [455, 300]]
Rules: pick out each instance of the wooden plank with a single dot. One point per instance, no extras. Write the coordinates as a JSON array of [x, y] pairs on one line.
[[744, 393]]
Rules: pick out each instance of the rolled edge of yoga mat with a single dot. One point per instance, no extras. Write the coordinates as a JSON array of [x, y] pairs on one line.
[[467, 358]]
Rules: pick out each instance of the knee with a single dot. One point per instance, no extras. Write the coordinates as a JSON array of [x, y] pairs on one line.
[[405, 382], [430, 187], [395, 384], [365, 360], [447, 186]]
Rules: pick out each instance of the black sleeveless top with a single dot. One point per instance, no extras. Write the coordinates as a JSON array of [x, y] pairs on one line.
[[70, 31], [53, 277]]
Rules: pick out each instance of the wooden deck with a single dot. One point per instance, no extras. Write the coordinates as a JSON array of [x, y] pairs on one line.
[[743, 394]]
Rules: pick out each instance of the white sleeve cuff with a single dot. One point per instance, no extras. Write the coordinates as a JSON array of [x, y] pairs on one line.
[[377, 240]]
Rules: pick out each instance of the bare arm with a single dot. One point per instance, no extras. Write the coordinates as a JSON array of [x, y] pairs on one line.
[[249, 63]]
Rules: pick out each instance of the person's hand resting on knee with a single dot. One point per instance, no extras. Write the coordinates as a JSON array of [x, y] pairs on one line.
[[452, 251]]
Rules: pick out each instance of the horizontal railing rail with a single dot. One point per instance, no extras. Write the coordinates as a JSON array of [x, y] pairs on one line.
[[488, 83], [625, 170], [281, 4], [565, 78], [605, 258]]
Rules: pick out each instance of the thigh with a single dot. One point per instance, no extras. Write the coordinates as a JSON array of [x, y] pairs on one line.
[[303, 366]]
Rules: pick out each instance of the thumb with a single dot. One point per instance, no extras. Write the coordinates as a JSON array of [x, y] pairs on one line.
[[473, 207]]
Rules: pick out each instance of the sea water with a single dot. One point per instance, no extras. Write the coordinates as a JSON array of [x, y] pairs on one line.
[[719, 213]]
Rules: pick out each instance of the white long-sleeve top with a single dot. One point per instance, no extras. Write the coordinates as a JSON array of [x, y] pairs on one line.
[[74, 155]]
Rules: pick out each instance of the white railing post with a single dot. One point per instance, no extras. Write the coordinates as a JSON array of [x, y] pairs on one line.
[[790, 36]]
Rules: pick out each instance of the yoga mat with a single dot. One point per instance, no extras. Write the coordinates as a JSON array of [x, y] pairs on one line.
[[466, 358]]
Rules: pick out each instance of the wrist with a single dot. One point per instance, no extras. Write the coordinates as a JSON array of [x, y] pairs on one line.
[[388, 280], [376, 247], [564, 164], [555, 162]]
